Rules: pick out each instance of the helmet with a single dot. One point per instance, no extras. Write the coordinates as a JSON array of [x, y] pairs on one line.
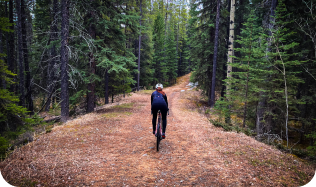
[[159, 85]]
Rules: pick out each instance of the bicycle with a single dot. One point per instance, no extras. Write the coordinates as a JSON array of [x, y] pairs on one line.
[[159, 129]]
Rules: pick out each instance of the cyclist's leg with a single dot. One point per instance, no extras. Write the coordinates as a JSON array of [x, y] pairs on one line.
[[164, 118], [154, 120], [164, 121]]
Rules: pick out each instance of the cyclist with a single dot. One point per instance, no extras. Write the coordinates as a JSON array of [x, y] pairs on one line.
[[159, 102]]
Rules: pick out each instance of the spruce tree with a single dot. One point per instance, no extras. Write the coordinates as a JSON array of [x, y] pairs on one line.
[[158, 59]]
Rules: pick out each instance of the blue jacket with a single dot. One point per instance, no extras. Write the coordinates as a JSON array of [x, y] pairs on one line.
[[158, 97]]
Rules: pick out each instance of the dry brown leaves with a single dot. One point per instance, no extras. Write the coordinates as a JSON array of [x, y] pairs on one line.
[[120, 151]]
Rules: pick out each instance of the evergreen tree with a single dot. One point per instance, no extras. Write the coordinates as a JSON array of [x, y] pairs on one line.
[[158, 59], [171, 55], [12, 116]]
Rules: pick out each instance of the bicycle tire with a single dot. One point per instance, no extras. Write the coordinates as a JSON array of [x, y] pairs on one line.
[[158, 138], [158, 131]]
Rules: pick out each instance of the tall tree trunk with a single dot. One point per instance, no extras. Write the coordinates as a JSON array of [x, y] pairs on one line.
[[26, 61], [180, 72], [7, 45], [51, 70], [212, 99], [239, 26], [230, 44], [11, 61], [92, 65], [112, 94], [1, 51], [91, 85], [262, 95], [223, 85], [178, 40], [223, 91], [139, 43], [20, 49], [106, 87], [64, 60]]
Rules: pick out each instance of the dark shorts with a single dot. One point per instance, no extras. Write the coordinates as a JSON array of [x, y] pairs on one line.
[[162, 106]]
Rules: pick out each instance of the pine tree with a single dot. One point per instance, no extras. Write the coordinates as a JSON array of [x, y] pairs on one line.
[[12, 116], [171, 54], [158, 59], [147, 71], [212, 98]]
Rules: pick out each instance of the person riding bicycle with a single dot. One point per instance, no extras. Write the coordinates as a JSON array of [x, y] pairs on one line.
[[159, 101]]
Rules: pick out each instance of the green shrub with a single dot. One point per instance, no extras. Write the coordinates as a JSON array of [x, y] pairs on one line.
[[230, 127], [247, 132], [4, 145], [300, 152], [312, 148], [216, 123], [238, 129]]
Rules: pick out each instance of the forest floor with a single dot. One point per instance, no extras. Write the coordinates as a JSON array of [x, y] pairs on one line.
[[114, 146]]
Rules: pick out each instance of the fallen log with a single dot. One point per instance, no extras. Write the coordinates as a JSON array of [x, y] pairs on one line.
[[55, 119]]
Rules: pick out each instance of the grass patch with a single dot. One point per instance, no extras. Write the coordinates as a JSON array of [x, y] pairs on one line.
[[239, 153], [125, 105], [116, 114], [146, 91], [28, 182]]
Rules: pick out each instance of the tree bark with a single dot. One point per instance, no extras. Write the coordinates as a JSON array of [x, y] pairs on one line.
[[53, 62], [106, 87], [180, 72], [139, 43], [223, 91], [26, 61], [230, 44], [1, 51], [212, 99], [7, 45], [64, 60], [20, 49], [11, 61], [239, 26], [91, 85], [92, 65]]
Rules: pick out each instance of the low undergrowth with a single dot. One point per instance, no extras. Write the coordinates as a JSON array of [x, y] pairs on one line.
[[231, 127], [11, 139]]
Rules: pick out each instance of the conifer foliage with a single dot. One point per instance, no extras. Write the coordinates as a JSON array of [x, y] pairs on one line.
[[273, 64]]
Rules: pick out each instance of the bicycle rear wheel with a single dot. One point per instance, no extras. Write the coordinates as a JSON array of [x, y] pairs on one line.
[[158, 130], [158, 137]]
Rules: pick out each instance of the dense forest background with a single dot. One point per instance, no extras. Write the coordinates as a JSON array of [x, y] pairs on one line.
[[254, 61]]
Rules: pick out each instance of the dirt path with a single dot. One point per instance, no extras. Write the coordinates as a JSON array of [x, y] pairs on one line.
[[115, 147]]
